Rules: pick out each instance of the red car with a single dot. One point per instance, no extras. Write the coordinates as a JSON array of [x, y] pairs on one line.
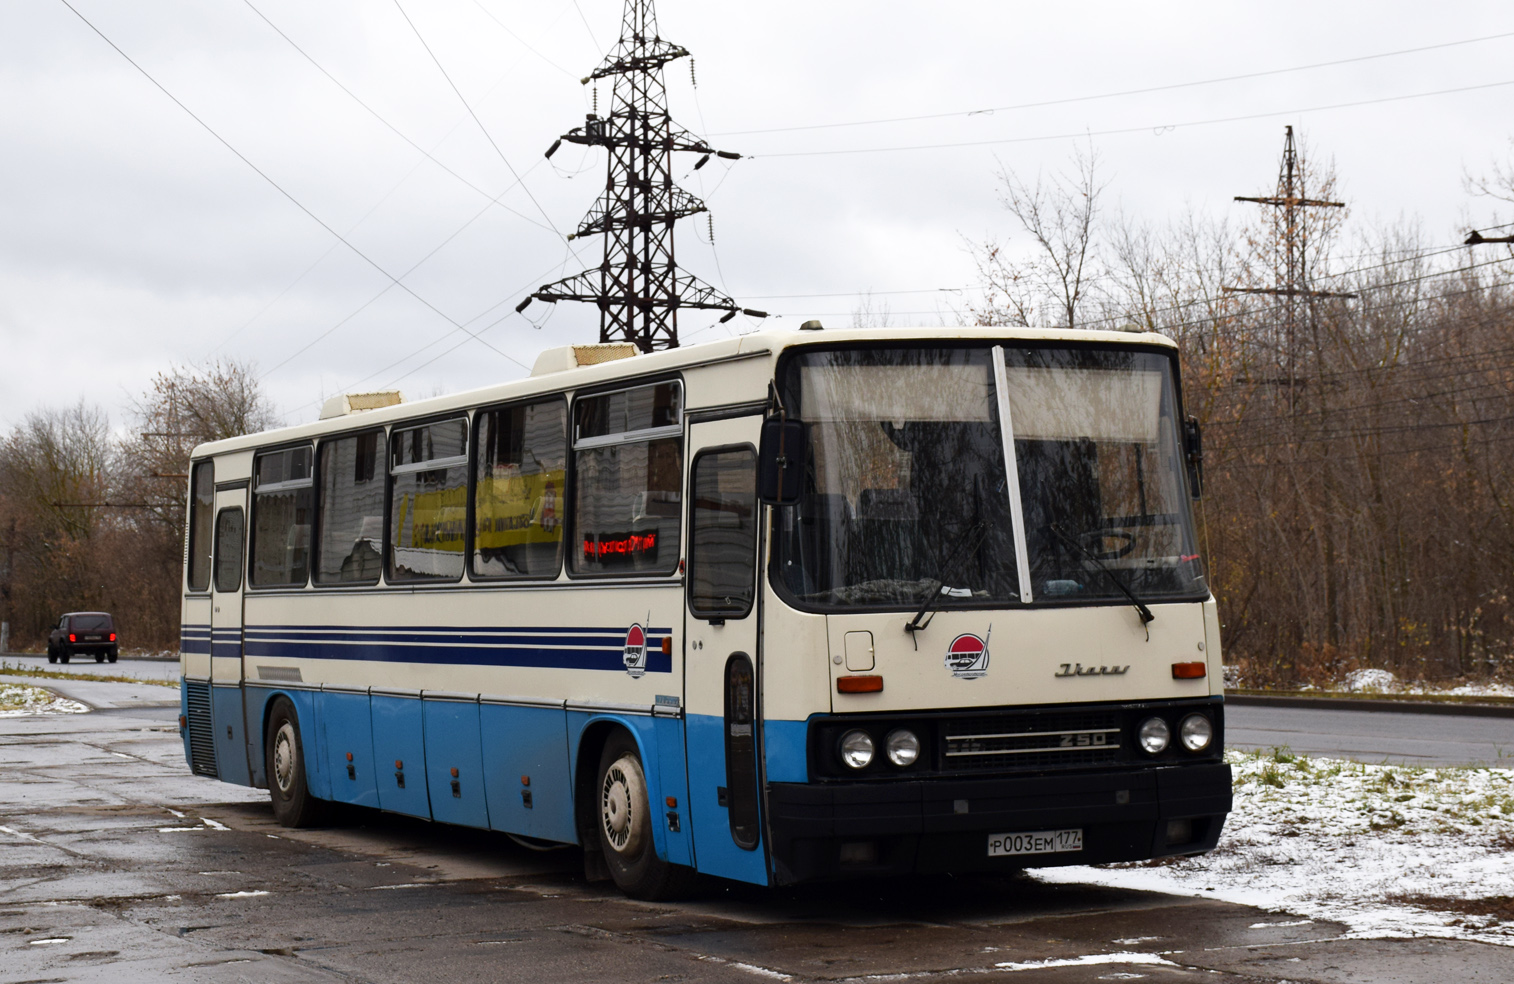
[[83, 634]]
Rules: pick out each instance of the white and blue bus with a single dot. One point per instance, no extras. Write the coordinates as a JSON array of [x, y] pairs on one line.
[[791, 606]]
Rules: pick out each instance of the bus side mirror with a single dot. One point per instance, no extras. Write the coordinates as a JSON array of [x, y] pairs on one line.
[[780, 461], [1193, 439]]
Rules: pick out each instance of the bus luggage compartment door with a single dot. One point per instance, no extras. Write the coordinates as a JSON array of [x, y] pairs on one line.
[[455, 762], [400, 752], [723, 732]]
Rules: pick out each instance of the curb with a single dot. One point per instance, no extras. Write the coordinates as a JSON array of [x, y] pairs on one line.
[[122, 658], [1399, 706]]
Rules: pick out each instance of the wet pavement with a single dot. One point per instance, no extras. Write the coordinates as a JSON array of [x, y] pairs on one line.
[[117, 865]]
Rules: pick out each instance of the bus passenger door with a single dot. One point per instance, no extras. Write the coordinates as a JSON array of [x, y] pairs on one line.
[[228, 566], [721, 659]]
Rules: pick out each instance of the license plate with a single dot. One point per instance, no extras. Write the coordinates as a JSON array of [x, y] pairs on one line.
[[1035, 842]]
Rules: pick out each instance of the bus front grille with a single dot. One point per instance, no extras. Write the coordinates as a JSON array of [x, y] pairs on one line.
[[202, 748], [1029, 742]]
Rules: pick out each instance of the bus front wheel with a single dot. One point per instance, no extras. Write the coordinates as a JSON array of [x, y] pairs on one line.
[[624, 820], [293, 804]]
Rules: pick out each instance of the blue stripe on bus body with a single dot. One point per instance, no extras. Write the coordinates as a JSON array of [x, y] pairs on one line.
[[567, 659], [557, 648]]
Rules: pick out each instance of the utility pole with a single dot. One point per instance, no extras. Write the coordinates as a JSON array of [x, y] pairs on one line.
[[638, 287], [1294, 283], [1477, 239]]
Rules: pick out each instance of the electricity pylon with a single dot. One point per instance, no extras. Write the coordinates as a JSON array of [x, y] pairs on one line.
[[1294, 283], [639, 287]]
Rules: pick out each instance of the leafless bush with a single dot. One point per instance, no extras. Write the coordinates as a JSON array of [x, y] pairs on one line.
[[90, 521]]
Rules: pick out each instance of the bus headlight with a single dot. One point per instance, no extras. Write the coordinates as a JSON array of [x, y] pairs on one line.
[[857, 749], [1196, 732], [1154, 735], [902, 747]]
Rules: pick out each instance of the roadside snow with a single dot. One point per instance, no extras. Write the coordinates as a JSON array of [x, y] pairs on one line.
[[19, 700], [1387, 850], [1384, 682]]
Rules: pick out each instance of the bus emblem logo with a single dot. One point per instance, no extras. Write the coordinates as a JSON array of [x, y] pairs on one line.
[[967, 657], [636, 651]]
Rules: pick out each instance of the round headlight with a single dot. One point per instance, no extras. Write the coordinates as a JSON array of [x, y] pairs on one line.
[[902, 747], [857, 749], [1196, 732], [1154, 735]]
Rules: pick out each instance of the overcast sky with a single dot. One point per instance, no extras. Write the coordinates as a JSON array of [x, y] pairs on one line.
[[132, 238]]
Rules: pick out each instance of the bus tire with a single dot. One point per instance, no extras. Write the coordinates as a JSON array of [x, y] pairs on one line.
[[293, 803], [624, 819]]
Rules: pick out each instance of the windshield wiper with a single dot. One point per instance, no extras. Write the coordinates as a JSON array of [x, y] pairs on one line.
[[933, 597], [1146, 616]]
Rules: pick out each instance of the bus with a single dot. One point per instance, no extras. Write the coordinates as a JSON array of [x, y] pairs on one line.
[[796, 605]]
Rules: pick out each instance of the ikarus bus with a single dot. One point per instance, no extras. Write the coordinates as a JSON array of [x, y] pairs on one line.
[[797, 605]]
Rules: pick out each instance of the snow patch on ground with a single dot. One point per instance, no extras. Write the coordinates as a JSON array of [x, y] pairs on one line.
[[20, 700], [1388, 850], [1384, 682]]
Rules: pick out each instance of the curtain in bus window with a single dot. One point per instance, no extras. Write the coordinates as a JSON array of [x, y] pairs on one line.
[[201, 508], [1100, 463], [428, 477], [352, 510], [723, 533], [281, 514], [519, 490], [906, 488], [628, 467]]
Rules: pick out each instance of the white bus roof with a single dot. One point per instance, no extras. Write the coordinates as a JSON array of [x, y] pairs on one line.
[[768, 342]]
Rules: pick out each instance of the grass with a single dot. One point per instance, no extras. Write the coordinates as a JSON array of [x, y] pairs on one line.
[[1403, 798], [20, 669], [20, 697]]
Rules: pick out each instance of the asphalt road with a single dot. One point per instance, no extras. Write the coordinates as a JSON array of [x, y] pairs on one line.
[[118, 866], [1374, 735]]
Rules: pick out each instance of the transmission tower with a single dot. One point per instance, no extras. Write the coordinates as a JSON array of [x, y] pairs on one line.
[[1295, 274], [638, 287]]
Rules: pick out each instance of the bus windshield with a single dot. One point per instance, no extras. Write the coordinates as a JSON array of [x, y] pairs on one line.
[[908, 489]]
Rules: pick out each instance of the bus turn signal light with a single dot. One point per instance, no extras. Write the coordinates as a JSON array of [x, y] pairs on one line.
[[1189, 671], [861, 684]]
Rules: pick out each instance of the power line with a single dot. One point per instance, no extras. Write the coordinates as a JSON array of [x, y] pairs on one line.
[[1110, 95], [366, 304], [523, 43], [482, 129], [1157, 129], [391, 127], [274, 184], [436, 341]]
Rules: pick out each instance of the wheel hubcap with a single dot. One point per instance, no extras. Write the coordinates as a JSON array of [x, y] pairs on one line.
[[283, 757], [620, 801]]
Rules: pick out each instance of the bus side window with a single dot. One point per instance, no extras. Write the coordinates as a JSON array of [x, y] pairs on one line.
[[518, 490], [201, 507], [723, 533], [351, 507], [281, 515], [428, 485], [228, 562], [628, 480]]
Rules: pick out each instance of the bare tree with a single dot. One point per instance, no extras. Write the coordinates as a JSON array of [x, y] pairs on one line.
[[1053, 284]]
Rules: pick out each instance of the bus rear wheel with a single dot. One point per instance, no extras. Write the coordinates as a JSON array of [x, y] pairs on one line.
[[624, 819], [293, 803]]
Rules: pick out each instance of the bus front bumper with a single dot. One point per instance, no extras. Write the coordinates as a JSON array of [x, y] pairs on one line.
[[841, 829]]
